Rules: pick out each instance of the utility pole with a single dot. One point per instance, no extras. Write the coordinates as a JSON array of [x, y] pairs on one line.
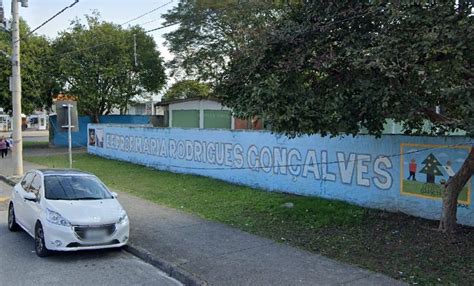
[[135, 49], [69, 132], [16, 89], [2, 15]]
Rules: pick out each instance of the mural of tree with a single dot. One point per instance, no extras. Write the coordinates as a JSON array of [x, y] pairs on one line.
[[431, 168]]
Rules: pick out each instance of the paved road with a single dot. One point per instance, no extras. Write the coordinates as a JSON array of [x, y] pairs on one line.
[[4, 195], [31, 135], [35, 139], [19, 265]]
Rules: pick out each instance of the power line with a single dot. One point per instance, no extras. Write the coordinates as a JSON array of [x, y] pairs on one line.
[[147, 13], [103, 44], [162, 27], [51, 18], [80, 50], [77, 1], [148, 22], [322, 25], [367, 12]]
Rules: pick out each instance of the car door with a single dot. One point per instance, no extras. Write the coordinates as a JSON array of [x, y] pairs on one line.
[[19, 192], [32, 208]]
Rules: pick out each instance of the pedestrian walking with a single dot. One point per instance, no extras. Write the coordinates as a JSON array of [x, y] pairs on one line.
[[10, 143], [3, 147], [8, 147]]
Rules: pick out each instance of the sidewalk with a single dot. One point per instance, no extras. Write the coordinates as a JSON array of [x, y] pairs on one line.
[[221, 255], [6, 166], [197, 251]]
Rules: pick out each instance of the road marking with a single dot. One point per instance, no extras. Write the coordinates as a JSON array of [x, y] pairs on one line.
[[4, 199]]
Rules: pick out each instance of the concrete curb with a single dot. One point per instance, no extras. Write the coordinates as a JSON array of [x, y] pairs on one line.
[[172, 270], [7, 180]]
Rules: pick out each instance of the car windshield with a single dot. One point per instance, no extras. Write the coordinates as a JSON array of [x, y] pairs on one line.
[[74, 188]]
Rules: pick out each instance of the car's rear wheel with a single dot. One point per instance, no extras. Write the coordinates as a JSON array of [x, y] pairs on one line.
[[40, 245], [12, 225]]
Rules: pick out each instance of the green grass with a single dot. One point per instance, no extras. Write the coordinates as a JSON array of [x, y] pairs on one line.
[[431, 190], [398, 245], [35, 144], [212, 199]]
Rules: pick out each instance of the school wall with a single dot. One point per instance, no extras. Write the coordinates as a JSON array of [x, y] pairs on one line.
[[364, 170], [58, 138]]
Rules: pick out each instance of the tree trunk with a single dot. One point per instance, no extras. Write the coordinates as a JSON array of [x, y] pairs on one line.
[[430, 178], [95, 117], [451, 193]]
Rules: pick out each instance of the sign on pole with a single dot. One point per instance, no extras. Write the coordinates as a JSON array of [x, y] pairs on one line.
[[66, 111], [62, 115]]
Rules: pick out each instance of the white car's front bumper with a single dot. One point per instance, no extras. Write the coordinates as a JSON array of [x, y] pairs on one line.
[[65, 238]]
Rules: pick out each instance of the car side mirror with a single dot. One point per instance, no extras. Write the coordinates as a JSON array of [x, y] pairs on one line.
[[114, 194], [30, 197]]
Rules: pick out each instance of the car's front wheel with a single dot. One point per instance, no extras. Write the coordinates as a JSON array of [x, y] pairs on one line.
[[40, 245], [12, 225]]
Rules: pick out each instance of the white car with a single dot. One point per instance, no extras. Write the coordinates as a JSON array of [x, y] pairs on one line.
[[67, 210]]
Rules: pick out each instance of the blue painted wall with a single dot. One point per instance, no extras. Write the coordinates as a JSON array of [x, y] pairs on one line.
[[364, 170], [79, 138]]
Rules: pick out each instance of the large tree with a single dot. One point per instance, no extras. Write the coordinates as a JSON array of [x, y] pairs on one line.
[[37, 64], [97, 65], [333, 67], [187, 89], [209, 31]]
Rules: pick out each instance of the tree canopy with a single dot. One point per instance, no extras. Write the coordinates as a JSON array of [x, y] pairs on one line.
[[187, 89], [343, 66], [209, 31], [37, 64], [97, 65], [339, 67]]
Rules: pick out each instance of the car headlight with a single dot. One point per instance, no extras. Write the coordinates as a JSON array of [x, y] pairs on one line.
[[56, 218], [123, 217]]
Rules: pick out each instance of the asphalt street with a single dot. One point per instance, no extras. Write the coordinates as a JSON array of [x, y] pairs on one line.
[[19, 264], [31, 135]]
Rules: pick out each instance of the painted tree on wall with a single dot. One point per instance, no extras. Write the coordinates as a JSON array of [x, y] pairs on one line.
[[431, 168]]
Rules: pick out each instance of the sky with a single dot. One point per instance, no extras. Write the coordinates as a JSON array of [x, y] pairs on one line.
[[116, 11]]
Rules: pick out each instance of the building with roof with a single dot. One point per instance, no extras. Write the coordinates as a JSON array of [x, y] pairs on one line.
[[201, 113]]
